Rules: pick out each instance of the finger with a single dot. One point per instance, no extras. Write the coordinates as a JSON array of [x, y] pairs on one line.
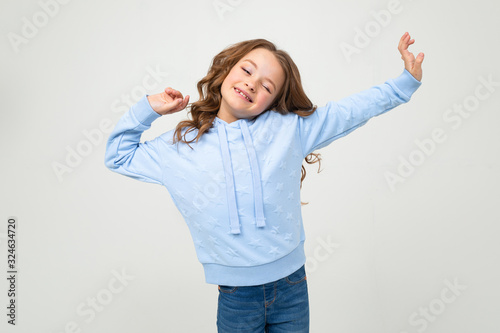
[[177, 94], [182, 104], [403, 38], [419, 59], [172, 106], [417, 66], [170, 92], [406, 55], [185, 102], [403, 42]]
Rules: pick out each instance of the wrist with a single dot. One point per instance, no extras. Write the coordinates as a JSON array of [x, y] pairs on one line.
[[143, 111]]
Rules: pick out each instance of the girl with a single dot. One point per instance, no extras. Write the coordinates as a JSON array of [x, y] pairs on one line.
[[233, 172]]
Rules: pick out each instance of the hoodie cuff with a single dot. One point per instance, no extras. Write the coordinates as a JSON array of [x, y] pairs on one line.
[[406, 83], [143, 112]]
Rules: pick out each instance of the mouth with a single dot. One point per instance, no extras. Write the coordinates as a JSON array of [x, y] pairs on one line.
[[243, 94]]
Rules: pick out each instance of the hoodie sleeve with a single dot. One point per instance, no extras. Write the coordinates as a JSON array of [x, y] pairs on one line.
[[124, 152], [339, 118]]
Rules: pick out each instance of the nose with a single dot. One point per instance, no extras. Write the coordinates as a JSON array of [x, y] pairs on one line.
[[250, 86]]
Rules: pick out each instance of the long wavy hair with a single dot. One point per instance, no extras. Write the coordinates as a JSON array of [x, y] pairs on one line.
[[291, 98]]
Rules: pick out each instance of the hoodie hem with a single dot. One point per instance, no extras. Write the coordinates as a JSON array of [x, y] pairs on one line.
[[255, 275]]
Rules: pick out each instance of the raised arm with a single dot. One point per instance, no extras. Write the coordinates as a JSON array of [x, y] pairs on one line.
[[124, 152], [339, 118]]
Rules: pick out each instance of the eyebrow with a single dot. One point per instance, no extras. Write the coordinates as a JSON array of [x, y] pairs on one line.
[[257, 67]]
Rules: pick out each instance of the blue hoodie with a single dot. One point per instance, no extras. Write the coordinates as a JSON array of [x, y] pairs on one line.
[[238, 187]]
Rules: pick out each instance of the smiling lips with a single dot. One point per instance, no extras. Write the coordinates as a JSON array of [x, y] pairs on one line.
[[243, 94]]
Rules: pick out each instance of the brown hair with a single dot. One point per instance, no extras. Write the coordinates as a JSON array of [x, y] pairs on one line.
[[291, 98]]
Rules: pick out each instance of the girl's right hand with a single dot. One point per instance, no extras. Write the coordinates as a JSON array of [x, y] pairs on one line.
[[169, 101]]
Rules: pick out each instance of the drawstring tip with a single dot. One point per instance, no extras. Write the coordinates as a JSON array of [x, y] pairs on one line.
[[261, 222], [235, 231]]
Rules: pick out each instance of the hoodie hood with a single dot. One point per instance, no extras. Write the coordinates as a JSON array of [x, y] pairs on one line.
[[242, 125]]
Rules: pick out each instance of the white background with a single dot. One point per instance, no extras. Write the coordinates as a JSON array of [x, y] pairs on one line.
[[396, 248]]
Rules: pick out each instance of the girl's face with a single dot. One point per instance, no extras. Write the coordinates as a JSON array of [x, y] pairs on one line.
[[251, 86]]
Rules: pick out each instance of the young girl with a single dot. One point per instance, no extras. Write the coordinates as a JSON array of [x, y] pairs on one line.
[[235, 171]]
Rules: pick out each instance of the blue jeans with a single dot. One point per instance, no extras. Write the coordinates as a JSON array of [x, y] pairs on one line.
[[276, 307]]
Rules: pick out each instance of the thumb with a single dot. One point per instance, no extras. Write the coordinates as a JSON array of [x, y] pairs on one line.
[[417, 66], [419, 59]]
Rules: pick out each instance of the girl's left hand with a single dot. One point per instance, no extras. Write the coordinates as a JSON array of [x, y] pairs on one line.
[[412, 65]]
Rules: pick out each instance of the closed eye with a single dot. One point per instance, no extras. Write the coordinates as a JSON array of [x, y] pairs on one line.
[[248, 72]]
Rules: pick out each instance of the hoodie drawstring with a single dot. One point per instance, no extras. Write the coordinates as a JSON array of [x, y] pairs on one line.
[[230, 188], [257, 187], [228, 171]]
